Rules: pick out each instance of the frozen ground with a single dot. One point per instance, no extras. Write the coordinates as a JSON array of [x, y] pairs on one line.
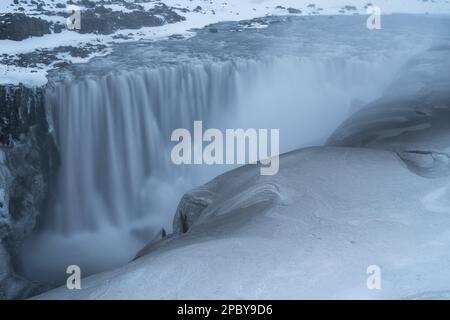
[[308, 232], [312, 230], [412, 119], [29, 60]]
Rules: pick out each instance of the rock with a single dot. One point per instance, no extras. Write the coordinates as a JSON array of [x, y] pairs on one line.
[[148, 248], [318, 237], [5, 182], [294, 11], [27, 152], [87, 3], [105, 21], [58, 27], [350, 8], [18, 26], [11, 285], [412, 119]]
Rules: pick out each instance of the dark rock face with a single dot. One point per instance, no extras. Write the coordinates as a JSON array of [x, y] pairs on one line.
[[49, 56], [192, 205], [27, 156], [20, 26], [102, 20]]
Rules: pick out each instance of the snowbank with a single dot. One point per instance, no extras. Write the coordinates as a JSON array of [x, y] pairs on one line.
[[308, 232]]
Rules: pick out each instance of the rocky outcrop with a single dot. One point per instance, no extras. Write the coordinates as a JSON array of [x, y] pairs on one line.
[[19, 26], [27, 153], [103, 20], [342, 210]]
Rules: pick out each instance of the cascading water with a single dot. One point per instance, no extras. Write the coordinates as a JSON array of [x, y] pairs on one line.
[[113, 136], [116, 186]]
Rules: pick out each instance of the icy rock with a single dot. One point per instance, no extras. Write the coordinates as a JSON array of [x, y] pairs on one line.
[[27, 153], [156, 239], [5, 181]]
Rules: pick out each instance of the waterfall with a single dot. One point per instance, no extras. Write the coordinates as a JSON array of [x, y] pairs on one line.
[[114, 134], [116, 186]]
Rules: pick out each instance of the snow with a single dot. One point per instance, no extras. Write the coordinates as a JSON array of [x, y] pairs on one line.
[[14, 75], [212, 12], [305, 233]]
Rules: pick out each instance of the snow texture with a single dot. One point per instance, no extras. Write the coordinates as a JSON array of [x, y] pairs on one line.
[[197, 14], [307, 232]]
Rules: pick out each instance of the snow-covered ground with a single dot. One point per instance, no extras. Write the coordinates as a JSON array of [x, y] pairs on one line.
[[197, 13], [308, 232]]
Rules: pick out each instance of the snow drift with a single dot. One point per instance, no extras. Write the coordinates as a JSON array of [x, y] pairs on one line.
[[308, 232]]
